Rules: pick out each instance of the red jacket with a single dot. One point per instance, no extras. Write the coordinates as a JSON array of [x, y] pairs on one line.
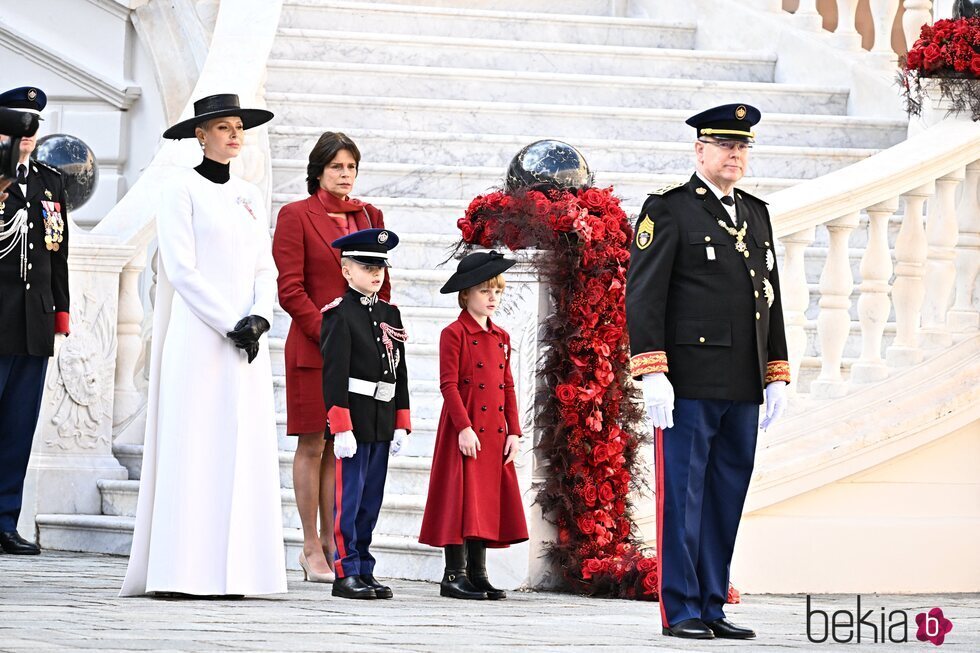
[[310, 275]]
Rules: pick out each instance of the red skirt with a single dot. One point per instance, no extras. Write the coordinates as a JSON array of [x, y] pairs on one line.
[[472, 498], [305, 412]]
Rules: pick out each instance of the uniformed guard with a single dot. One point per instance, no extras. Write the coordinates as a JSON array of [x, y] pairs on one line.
[[706, 326], [33, 308], [365, 390]]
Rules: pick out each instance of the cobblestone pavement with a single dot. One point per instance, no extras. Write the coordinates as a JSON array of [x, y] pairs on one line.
[[68, 602]]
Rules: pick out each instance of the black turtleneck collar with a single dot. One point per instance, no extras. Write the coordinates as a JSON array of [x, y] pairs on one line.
[[219, 173]]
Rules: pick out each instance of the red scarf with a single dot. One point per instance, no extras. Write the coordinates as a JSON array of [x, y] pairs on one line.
[[355, 217]]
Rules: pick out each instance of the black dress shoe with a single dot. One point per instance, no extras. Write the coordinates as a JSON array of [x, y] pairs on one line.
[[351, 587], [456, 585], [690, 629], [724, 629], [383, 591], [11, 542]]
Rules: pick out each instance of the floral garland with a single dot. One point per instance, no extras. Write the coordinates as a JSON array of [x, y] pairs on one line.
[[586, 411], [949, 53]]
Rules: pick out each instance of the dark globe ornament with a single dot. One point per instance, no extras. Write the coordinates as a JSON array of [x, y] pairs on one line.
[[548, 165], [966, 8], [76, 162]]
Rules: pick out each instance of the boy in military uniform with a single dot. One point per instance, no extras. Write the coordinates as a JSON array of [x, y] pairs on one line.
[[365, 390], [33, 308], [706, 326]]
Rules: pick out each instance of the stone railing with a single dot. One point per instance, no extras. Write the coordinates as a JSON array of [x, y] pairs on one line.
[[926, 280], [95, 390]]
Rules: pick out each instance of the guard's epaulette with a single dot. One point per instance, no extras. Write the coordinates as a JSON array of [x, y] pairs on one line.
[[742, 193], [332, 304], [48, 167], [663, 190]]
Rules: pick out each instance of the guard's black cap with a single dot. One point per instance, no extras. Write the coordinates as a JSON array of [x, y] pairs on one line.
[[25, 98], [475, 269], [368, 246], [729, 121]]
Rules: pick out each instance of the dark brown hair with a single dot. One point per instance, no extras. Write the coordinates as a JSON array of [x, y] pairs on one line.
[[327, 147]]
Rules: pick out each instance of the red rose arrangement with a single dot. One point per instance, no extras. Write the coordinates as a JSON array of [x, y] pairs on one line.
[[949, 52], [587, 414]]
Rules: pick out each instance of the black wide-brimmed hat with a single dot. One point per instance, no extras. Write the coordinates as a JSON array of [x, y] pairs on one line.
[[218, 106], [476, 268]]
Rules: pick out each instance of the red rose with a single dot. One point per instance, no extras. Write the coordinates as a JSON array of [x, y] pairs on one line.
[[625, 528], [586, 524], [592, 198], [606, 493], [650, 583], [590, 567], [565, 222], [975, 65], [566, 393], [645, 565], [589, 494], [932, 57]]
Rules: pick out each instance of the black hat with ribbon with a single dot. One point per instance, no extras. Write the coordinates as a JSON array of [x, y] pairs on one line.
[[476, 268], [218, 106]]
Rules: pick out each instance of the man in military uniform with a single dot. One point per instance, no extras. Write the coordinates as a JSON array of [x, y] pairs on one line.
[[707, 339], [33, 308], [365, 390]]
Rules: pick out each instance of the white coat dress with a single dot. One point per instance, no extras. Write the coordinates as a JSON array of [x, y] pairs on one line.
[[209, 518]]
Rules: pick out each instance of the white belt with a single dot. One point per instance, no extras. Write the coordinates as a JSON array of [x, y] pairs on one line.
[[382, 391]]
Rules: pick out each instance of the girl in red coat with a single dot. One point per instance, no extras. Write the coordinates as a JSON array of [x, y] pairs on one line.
[[310, 277], [474, 500]]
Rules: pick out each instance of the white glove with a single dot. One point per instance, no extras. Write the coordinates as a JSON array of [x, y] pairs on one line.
[[344, 444], [775, 403], [658, 396], [401, 437]]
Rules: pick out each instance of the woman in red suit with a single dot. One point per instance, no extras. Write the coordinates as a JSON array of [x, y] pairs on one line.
[[474, 501], [309, 278]]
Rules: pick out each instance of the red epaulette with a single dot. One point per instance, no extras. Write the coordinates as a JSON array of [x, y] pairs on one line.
[[332, 304]]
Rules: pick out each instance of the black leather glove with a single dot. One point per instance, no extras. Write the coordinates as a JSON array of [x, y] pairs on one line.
[[252, 350], [248, 331]]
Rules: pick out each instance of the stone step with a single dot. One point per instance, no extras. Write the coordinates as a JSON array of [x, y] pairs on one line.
[[468, 22], [692, 95], [401, 557], [533, 56], [588, 7], [537, 121], [465, 182], [603, 155], [406, 474]]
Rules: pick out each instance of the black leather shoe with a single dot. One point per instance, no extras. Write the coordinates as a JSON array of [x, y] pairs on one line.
[[724, 629], [351, 587], [383, 591], [482, 582], [690, 629], [11, 542], [456, 585]]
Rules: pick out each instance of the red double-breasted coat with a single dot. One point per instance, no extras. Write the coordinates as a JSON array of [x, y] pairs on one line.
[[309, 278], [474, 498]]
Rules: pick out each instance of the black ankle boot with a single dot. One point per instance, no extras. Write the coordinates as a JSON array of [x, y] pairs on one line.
[[476, 569], [455, 583]]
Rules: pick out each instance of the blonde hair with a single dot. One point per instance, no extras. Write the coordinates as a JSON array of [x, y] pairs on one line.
[[493, 282]]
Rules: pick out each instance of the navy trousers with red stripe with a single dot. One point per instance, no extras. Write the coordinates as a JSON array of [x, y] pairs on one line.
[[21, 387], [703, 467], [360, 487]]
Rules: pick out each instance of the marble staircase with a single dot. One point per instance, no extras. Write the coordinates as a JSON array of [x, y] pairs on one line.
[[439, 98]]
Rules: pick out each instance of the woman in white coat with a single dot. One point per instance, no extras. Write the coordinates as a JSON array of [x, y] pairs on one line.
[[209, 519]]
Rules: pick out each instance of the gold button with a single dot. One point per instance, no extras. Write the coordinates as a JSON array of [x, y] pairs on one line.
[[757, 316], [757, 294], [707, 239], [701, 339], [746, 254], [752, 272]]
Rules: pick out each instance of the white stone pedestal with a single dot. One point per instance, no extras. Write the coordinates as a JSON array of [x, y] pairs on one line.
[[72, 447]]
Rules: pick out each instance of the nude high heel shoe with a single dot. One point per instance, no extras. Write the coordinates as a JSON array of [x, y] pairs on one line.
[[312, 576]]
